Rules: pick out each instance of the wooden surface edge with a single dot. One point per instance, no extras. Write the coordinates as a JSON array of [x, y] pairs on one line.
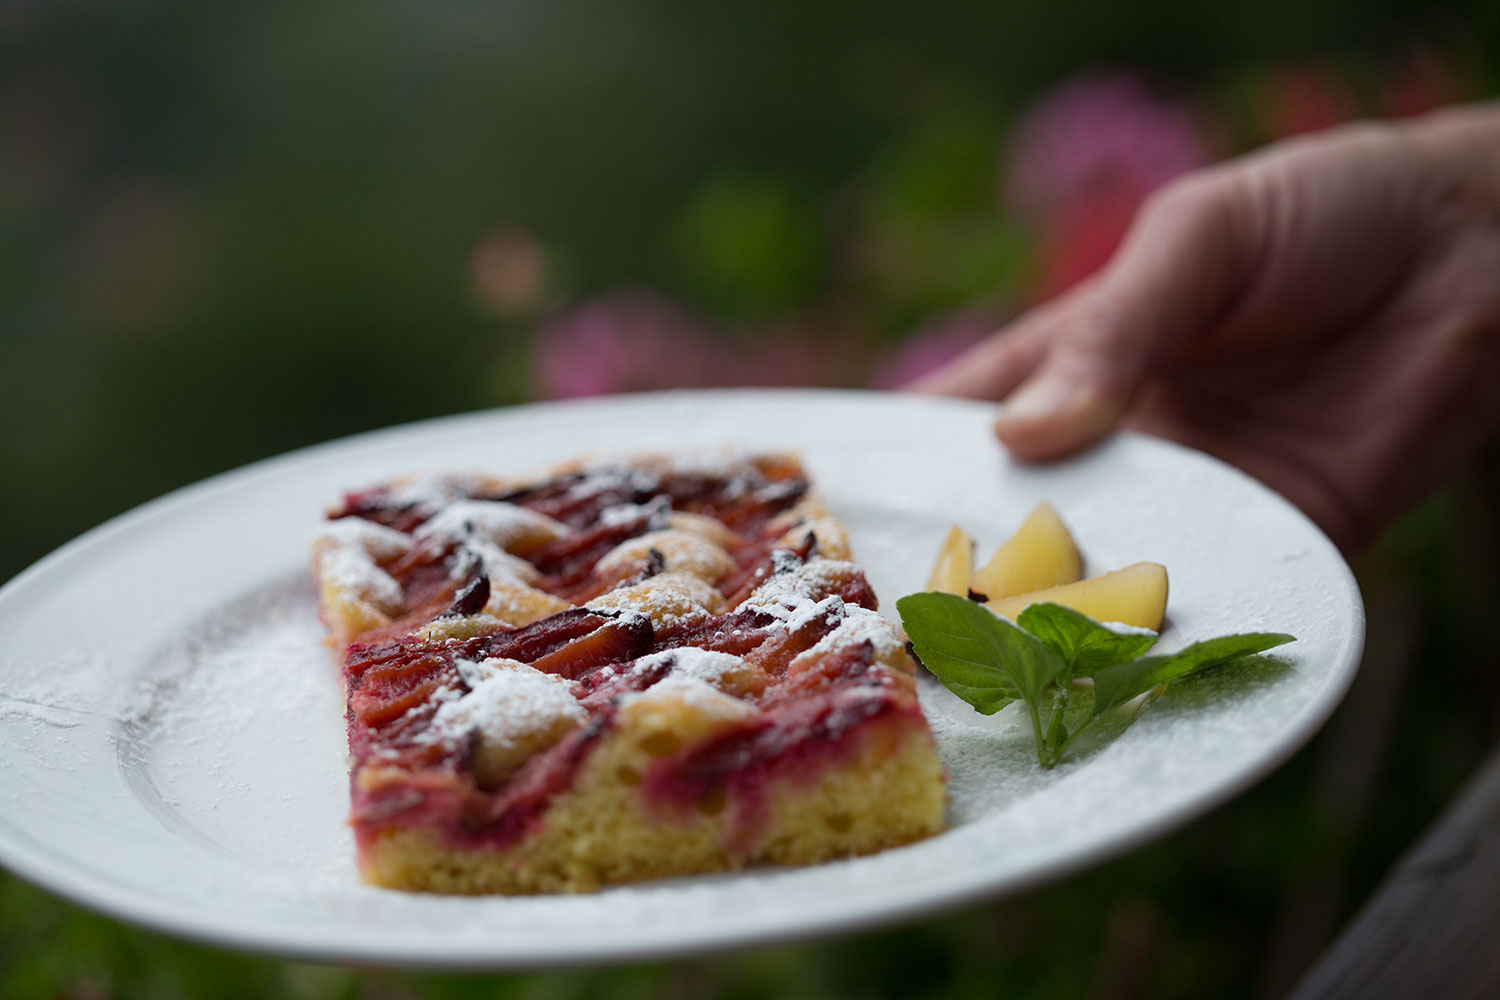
[[1433, 927]]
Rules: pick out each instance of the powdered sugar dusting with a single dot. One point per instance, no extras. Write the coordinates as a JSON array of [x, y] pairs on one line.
[[376, 540], [703, 664], [349, 551], [712, 529], [656, 513], [784, 594], [680, 552], [694, 693], [353, 572], [507, 702], [669, 599], [860, 625], [631, 619], [808, 611], [611, 478], [504, 524], [428, 492], [1120, 628], [709, 462], [716, 463], [503, 568]]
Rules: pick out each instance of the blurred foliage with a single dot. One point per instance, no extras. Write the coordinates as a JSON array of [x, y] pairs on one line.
[[750, 246], [227, 230]]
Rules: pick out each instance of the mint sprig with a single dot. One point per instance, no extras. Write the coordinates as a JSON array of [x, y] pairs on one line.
[[989, 663]]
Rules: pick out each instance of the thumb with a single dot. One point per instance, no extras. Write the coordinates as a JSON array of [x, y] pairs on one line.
[[1170, 282]]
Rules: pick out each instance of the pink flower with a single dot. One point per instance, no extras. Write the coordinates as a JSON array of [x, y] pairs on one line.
[[1098, 131], [1084, 237], [636, 341], [798, 350], [625, 342], [1084, 158], [933, 346]]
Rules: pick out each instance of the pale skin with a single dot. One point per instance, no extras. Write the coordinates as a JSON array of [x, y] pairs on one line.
[[1324, 314]]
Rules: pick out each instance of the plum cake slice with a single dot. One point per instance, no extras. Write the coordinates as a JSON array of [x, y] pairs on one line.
[[621, 670]]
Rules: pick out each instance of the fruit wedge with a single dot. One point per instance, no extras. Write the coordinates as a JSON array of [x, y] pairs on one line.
[[955, 564], [1135, 595], [1040, 554]]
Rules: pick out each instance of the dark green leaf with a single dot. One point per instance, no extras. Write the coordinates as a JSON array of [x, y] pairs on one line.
[[1084, 644], [1121, 682], [982, 658], [986, 700]]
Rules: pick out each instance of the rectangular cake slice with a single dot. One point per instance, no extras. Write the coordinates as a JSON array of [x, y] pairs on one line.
[[618, 671]]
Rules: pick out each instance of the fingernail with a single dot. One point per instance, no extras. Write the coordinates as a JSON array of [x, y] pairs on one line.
[[1045, 399]]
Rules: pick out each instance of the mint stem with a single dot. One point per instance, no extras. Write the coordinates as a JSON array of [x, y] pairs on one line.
[[1036, 728], [1056, 725], [1071, 737]]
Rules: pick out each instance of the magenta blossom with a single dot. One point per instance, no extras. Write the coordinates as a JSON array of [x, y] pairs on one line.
[[933, 346], [797, 350], [1083, 237], [1098, 131], [626, 342]]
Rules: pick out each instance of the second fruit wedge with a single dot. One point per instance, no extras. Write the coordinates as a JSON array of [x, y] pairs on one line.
[[1135, 595], [1040, 554], [955, 564]]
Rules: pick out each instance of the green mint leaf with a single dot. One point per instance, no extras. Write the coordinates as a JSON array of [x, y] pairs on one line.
[[985, 660], [954, 651], [1086, 645], [1121, 682]]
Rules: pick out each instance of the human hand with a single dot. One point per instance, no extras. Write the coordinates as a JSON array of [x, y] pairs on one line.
[[1324, 314]]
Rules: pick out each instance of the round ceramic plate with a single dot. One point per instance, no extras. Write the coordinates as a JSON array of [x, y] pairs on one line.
[[172, 729]]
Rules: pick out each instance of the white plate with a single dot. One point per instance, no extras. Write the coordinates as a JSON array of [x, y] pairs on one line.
[[172, 734]]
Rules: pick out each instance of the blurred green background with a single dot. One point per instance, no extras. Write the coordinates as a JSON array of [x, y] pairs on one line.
[[231, 229]]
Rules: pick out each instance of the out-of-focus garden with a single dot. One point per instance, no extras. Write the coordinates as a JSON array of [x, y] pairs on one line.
[[228, 230]]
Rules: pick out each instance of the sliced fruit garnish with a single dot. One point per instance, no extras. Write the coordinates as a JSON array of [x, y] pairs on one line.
[[1135, 595], [1040, 554], [955, 564]]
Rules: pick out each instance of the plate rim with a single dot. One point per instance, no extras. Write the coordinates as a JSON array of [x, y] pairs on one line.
[[120, 901]]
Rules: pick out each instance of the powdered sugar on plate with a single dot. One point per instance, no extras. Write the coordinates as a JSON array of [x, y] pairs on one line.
[[240, 714]]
